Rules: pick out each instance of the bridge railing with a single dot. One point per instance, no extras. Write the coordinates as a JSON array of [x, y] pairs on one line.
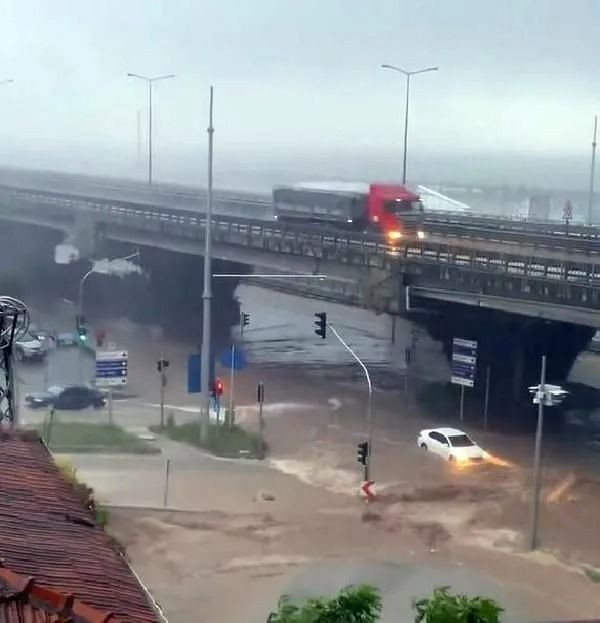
[[311, 240]]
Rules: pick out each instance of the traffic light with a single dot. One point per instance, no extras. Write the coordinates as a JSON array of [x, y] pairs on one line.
[[162, 364], [218, 387], [362, 452], [321, 324], [81, 328], [245, 319]]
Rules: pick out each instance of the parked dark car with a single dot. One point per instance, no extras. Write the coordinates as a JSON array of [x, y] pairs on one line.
[[67, 397]]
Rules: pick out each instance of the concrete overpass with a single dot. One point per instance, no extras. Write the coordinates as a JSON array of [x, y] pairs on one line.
[[559, 283], [518, 288]]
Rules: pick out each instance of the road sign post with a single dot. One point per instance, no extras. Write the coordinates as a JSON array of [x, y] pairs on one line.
[[464, 361], [111, 368], [111, 371]]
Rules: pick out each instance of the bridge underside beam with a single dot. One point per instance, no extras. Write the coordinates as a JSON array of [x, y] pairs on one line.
[[545, 311]]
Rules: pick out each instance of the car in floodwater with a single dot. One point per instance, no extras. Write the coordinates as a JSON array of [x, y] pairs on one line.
[[67, 397], [451, 444], [29, 348]]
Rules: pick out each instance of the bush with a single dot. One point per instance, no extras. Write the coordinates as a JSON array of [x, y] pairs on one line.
[[354, 604], [443, 607], [86, 494]]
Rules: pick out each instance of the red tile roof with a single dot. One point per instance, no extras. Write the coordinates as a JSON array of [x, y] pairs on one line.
[[46, 532], [22, 600]]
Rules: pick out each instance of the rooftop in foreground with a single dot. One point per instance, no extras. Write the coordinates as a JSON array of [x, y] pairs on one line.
[[47, 533]]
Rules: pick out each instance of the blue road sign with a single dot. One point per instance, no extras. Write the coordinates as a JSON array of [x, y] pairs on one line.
[[234, 358], [464, 362], [111, 367], [194, 371]]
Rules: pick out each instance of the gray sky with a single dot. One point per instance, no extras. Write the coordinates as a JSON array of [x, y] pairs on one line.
[[297, 78]]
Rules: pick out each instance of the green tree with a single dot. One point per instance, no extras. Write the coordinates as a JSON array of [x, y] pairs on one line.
[[353, 604], [444, 607]]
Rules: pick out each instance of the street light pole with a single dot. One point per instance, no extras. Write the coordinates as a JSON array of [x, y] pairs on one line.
[[80, 302], [149, 81], [150, 132], [406, 128], [592, 173], [408, 75], [207, 294], [369, 403]]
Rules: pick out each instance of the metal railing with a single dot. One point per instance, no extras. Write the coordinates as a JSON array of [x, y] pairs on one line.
[[348, 247]]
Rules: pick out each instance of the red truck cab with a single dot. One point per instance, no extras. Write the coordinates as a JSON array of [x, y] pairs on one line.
[[395, 210]]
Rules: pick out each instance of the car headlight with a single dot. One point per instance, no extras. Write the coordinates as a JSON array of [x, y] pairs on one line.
[[421, 235], [394, 234]]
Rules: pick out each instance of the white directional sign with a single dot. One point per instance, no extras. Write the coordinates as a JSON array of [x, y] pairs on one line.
[[464, 361], [111, 368]]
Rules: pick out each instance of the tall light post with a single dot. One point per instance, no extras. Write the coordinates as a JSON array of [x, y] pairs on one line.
[[408, 75], [108, 269], [207, 293], [150, 81], [592, 173]]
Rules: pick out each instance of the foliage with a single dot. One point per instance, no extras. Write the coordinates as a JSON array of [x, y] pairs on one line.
[[444, 607], [227, 441], [354, 604], [67, 470], [69, 473]]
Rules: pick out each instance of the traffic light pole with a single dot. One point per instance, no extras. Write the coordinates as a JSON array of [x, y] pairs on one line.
[[369, 403]]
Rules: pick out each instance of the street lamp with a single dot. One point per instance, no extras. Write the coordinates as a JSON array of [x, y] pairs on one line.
[[150, 81], [107, 268], [408, 75]]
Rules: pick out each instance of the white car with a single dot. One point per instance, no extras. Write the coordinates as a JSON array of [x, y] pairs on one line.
[[451, 444], [29, 348]]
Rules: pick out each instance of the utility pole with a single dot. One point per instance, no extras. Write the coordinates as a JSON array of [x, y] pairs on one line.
[[592, 173], [537, 459], [207, 294]]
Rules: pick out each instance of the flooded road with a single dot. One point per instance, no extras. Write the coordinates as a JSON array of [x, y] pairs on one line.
[[281, 333]]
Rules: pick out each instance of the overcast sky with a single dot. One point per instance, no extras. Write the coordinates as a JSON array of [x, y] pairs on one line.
[[297, 78]]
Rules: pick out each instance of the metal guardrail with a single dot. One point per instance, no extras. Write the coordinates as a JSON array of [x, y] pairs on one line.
[[352, 248]]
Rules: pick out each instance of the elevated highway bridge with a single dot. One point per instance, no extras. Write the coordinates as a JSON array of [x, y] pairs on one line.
[[468, 266]]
